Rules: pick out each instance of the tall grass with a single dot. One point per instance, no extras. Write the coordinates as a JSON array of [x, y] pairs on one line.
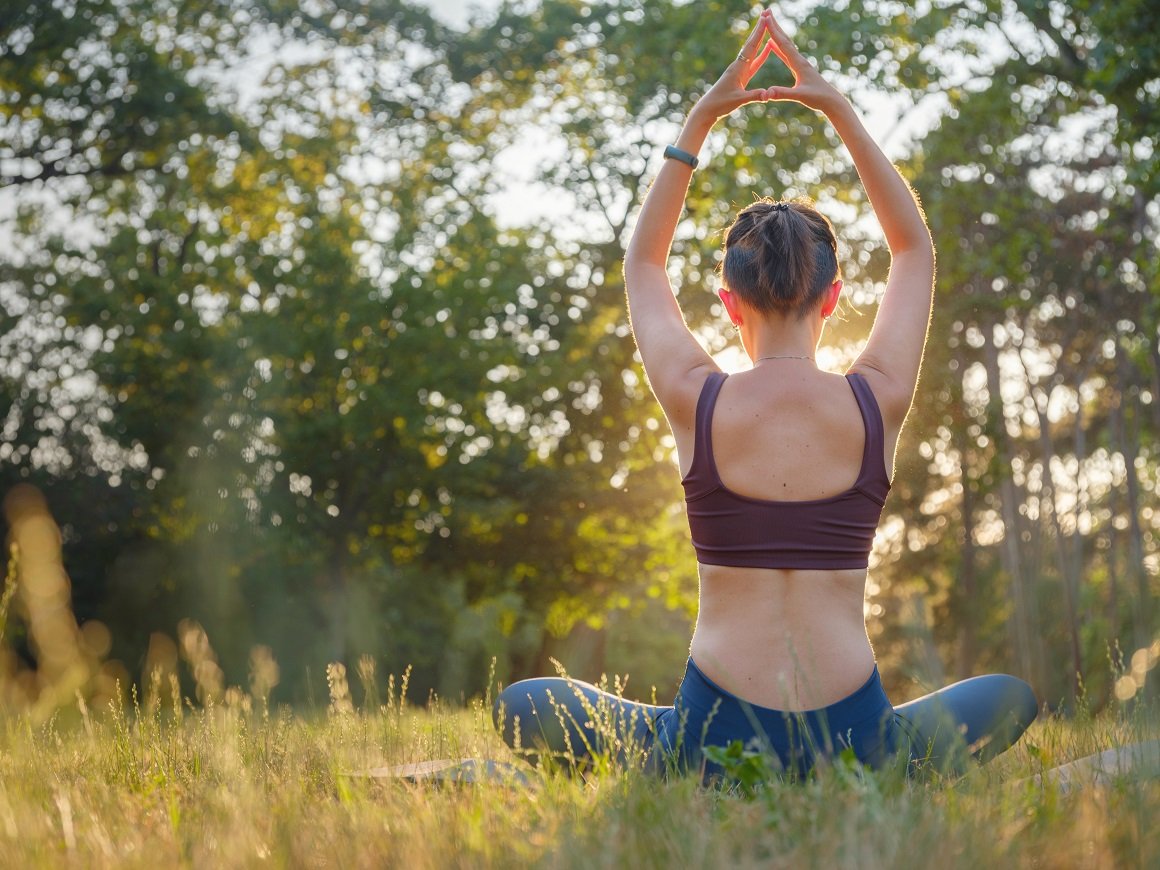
[[231, 783], [225, 780]]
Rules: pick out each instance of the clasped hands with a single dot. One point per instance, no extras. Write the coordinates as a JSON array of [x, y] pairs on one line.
[[732, 90]]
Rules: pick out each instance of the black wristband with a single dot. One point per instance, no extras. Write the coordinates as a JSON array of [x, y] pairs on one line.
[[672, 152]]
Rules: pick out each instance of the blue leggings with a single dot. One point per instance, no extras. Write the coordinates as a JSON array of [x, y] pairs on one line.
[[570, 721]]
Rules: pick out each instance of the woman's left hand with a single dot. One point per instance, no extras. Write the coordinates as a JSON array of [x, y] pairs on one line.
[[730, 91]]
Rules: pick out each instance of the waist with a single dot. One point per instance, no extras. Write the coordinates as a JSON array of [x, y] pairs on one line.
[[780, 638], [866, 702]]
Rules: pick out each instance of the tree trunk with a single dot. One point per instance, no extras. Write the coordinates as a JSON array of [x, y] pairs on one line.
[[1023, 623], [1061, 555], [967, 592], [927, 665], [1125, 437], [1049, 512], [1128, 446], [1154, 354], [1081, 494], [968, 583], [1113, 568], [1143, 254]]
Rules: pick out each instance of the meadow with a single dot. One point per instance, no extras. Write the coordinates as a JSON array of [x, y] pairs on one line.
[[231, 783]]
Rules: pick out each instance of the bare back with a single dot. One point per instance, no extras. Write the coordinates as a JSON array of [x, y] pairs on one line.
[[789, 639]]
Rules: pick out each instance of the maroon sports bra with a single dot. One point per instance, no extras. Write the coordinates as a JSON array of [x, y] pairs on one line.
[[738, 531]]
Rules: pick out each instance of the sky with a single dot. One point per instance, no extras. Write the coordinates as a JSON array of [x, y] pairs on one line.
[[452, 10]]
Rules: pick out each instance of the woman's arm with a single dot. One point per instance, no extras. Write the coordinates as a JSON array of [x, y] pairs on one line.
[[672, 356], [893, 354]]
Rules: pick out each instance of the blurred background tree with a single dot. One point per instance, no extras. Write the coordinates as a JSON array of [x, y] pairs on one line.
[[313, 325]]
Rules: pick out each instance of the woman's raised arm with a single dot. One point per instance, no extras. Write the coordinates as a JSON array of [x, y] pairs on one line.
[[893, 353], [672, 356]]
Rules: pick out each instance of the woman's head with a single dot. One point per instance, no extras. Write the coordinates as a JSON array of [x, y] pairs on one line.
[[780, 257]]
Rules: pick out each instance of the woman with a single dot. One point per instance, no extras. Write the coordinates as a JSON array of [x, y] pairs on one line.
[[785, 470]]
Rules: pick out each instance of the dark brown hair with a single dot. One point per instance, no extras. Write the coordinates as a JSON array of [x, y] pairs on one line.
[[780, 256]]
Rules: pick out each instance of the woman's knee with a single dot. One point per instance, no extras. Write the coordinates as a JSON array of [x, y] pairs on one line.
[[981, 716], [514, 706], [990, 701], [538, 711], [1019, 698]]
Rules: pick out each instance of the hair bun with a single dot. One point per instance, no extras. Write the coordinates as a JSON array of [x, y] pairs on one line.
[[780, 265]]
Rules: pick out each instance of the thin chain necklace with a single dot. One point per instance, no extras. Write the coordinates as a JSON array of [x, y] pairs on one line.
[[761, 358]]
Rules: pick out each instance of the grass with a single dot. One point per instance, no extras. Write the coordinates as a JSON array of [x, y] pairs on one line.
[[230, 785]]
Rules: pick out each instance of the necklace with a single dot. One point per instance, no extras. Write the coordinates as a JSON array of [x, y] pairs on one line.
[[760, 358]]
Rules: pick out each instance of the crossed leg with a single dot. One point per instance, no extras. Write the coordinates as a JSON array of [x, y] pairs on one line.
[[572, 721], [979, 717]]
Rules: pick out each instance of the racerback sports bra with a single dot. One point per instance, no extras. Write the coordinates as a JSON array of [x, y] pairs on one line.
[[829, 533]]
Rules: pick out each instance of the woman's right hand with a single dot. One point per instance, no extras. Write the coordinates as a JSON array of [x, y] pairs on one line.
[[730, 92]]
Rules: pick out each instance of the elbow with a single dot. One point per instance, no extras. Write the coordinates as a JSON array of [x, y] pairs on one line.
[[642, 256], [631, 267], [630, 263], [917, 255], [927, 245], [918, 240], [637, 271], [635, 264]]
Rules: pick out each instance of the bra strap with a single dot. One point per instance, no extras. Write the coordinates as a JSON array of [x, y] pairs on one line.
[[873, 462], [703, 445]]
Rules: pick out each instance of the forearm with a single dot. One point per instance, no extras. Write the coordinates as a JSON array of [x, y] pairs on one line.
[[661, 212], [890, 196]]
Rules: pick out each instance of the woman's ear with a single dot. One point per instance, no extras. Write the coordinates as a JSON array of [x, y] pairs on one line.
[[832, 296], [731, 307]]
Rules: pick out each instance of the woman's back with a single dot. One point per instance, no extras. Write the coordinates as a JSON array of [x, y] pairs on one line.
[[794, 433], [787, 446]]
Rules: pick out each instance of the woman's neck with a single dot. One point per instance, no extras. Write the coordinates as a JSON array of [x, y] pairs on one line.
[[785, 337]]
